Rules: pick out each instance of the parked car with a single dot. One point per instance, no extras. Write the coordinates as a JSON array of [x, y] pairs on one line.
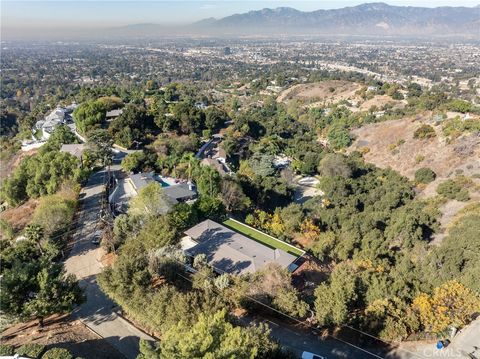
[[308, 355], [96, 237]]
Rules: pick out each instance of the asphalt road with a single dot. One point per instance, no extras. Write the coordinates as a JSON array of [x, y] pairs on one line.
[[299, 340], [84, 261]]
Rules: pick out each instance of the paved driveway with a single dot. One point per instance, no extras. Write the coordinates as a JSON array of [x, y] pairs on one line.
[[84, 261]]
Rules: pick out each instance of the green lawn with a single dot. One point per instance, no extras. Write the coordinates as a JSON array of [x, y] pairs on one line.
[[262, 238]]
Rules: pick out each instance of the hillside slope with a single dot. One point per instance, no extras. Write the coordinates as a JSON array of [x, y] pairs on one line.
[[391, 144]]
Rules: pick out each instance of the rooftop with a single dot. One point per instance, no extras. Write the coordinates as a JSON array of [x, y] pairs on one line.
[[182, 191], [74, 149], [140, 180], [232, 252], [176, 191], [114, 113]]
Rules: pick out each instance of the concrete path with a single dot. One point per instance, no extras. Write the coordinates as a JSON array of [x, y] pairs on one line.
[[465, 345], [84, 262]]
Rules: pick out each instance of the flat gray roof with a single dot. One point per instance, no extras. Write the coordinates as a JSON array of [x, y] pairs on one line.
[[114, 113], [140, 180], [232, 252], [74, 149], [180, 191]]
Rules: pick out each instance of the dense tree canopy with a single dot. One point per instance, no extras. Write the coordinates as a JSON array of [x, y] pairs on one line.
[[39, 175], [89, 115]]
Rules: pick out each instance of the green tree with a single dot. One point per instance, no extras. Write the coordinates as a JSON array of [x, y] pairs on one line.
[[54, 213], [334, 165], [39, 175], [288, 301], [414, 90], [99, 144], [339, 137], [151, 201], [89, 115], [210, 207], [38, 289], [459, 105], [57, 353], [212, 336], [31, 350], [333, 301], [56, 293], [60, 136], [133, 162], [207, 180], [458, 256], [214, 118], [391, 319], [157, 232], [131, 126], [35, 233], [148, 350]]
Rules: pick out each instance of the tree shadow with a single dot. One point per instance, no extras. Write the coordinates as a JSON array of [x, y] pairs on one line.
[[98, 308], [100, 348]]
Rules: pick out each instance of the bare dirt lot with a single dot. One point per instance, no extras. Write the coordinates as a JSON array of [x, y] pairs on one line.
[[63, 332], [391, 144], [325, 92], [8, 165], [379, 101], [20, 216]]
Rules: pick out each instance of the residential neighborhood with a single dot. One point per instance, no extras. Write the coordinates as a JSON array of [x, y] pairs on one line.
[[239, 180]]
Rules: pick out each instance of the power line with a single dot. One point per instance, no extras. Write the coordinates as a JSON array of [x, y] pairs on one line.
[[377, 338], [278, 311], [107, 172]]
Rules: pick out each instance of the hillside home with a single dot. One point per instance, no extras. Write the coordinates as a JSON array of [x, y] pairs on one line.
[[230, 252]]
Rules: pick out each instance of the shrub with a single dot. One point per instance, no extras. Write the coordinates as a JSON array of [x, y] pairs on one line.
[[397, 95], [57, 353], [460, 106], [424, 175], [424, 131], [6, 349], [453, 190], [31, 350], [419, 158], [6, 229]]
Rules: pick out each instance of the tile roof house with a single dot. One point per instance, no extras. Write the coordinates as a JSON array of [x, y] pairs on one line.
[[230, 252]]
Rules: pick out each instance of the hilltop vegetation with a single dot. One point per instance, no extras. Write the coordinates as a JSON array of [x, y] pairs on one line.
[[387, 156]]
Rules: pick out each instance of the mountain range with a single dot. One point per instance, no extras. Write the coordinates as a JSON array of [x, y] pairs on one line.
[[365, 19]]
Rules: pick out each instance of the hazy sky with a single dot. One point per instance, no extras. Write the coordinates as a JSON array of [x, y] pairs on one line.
[[18, 14]]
